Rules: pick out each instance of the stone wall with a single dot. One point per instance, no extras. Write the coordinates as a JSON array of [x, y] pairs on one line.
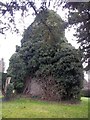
[[36, 89], [46, 90]]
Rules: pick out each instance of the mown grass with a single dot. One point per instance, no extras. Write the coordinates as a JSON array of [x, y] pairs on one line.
[[26, 108]]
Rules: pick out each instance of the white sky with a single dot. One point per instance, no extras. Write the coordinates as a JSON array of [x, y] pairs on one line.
[[7, 45]]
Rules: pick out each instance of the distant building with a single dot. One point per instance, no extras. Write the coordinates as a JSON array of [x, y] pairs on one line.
[[2, 65], [87, 69], [88, 72]]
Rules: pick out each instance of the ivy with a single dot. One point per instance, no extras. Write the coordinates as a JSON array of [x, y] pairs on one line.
[[41, 55]]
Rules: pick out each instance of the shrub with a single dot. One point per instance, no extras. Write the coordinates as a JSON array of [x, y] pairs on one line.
[[19, 87], [4, 76], [9, 91]]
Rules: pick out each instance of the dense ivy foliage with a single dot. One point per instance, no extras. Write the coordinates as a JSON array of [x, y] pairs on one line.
[[46, 52], [17, 71]]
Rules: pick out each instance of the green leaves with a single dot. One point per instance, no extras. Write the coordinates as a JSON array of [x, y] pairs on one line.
[[17, 69], [9, 91], [80, 15], [41, 56]]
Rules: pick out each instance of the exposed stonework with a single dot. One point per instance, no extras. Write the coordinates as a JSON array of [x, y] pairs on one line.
[[33, 88], [46, 90], [36, 89]]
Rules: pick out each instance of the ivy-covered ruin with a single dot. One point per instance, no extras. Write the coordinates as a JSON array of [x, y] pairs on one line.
[[46, 56]]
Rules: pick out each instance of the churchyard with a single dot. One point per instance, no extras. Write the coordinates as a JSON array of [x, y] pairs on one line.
[[27, 108]]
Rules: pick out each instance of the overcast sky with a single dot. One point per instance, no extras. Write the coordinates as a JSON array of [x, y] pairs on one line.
[[7, 45]]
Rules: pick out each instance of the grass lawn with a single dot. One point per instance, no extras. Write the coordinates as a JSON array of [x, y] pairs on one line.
[[26, 108]]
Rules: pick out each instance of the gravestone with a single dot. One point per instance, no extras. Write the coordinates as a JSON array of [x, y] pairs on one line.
[[7, 82]]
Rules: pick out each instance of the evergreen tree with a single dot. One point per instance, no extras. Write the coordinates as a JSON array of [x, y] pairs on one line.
[[80, 15]]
